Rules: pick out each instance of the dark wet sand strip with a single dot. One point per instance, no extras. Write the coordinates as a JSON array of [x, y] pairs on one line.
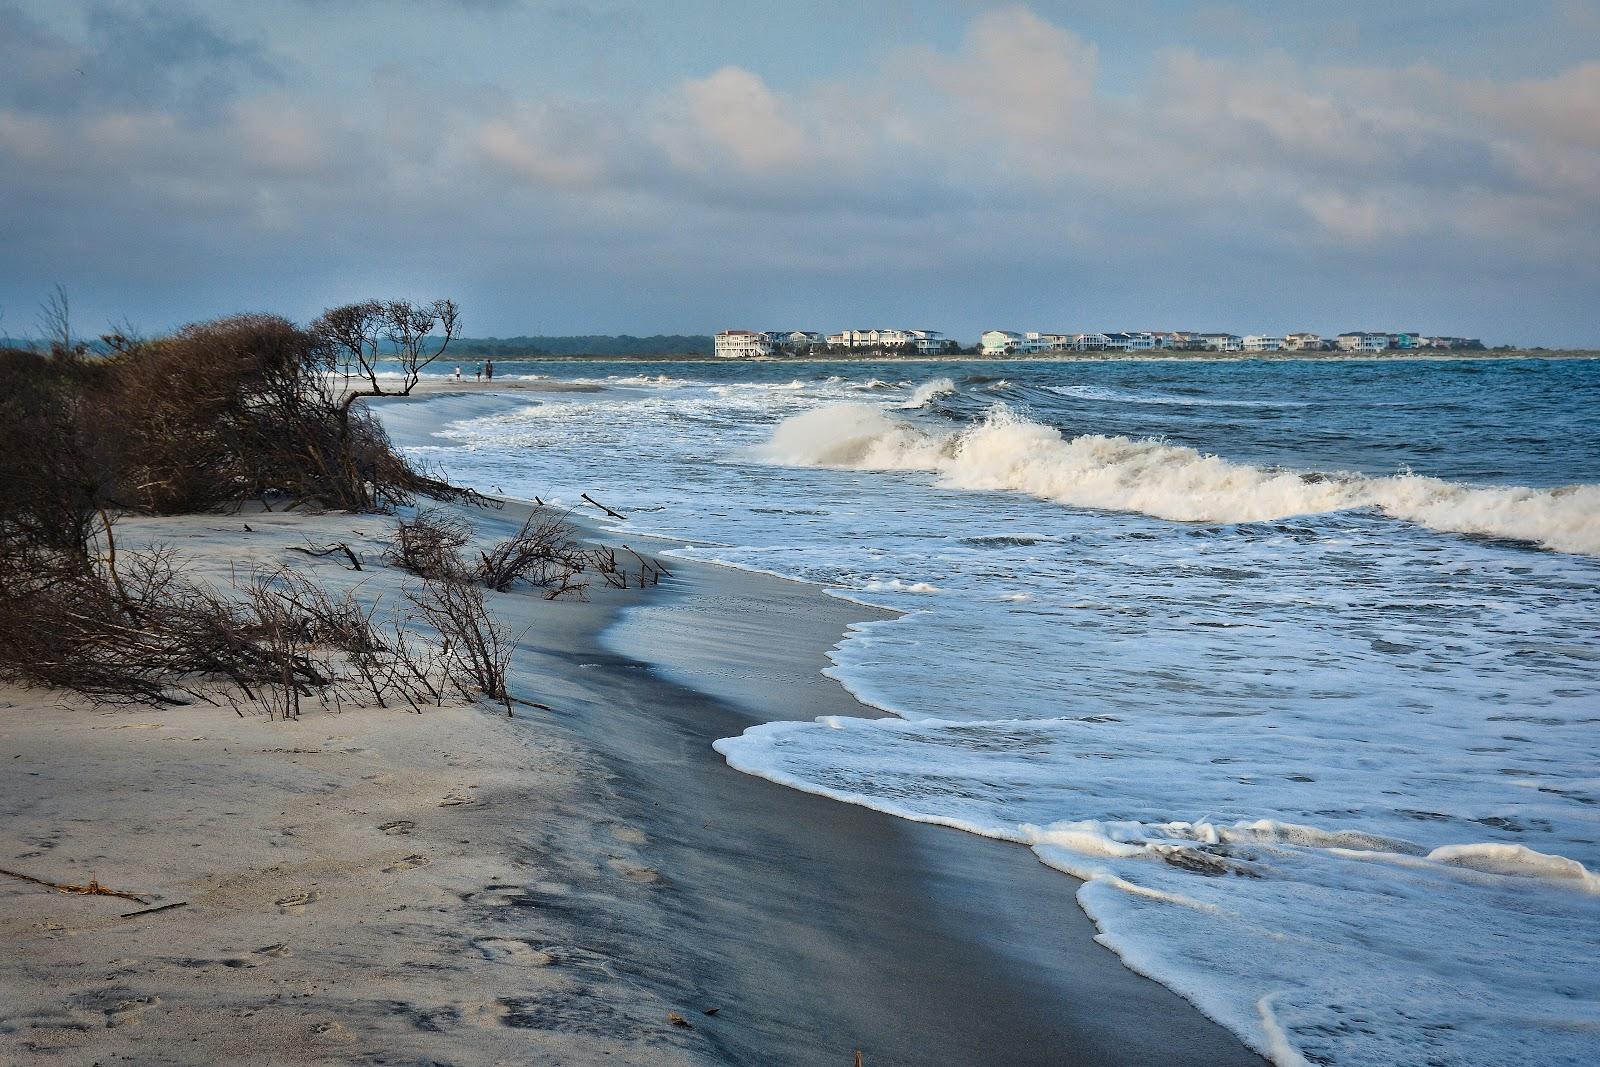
[[815, 927]]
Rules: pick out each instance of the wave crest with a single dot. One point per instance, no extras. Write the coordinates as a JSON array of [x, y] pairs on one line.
[[1006, 451]]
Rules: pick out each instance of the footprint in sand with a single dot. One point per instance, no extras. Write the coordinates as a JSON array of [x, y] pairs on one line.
[[457, 799], [333, 1031], [638, 873], [629, 835], [297, 900], [278, 951], [128, 1011], [512, 950], [398, 827], [407, 864]]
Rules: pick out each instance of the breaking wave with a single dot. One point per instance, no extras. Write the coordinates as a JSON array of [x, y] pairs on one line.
[[928, 392], [1006, 451]]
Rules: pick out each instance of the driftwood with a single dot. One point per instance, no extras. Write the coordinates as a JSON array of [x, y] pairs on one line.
[[648, 569], [337, 546], [92, 889], [152, 911], [602, 507]]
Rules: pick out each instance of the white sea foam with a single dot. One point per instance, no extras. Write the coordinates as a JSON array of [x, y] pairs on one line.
[[1124, 396], [1006, 451], [1518, 861], [928, 392], [895, 585]]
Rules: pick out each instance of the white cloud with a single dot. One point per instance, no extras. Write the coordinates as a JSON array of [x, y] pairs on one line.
[[566, 147], [1022, 76], [731, 117]]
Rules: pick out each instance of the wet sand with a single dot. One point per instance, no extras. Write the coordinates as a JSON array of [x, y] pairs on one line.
[[818, 927]]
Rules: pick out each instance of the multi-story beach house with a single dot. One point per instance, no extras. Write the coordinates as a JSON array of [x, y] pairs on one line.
[[1222, 342], [794, 340], [1362, 341], [1302, 342], [1090, 342], [1262, 343], [922, 340], [999, 342], [741, 344]]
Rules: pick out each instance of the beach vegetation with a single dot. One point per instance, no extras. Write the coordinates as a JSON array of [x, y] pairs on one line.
[[381, 347], [544, 552], [429, 544], [212, 416], [476, 647]]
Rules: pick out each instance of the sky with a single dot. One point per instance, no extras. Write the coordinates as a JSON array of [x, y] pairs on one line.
[[651, 166]]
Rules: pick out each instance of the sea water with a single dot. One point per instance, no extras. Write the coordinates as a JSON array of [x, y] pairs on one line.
[[1295, 664]]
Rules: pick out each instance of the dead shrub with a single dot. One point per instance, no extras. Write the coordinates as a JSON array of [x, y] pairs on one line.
[[242, 407], [475, 645], [142, 633], [544, 552], [429, 545], [56, 459]]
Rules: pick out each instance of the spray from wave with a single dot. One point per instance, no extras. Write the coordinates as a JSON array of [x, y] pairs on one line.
[[928, 392], [1006, 451]]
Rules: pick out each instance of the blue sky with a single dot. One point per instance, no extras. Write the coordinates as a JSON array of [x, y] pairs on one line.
[[622, 166]]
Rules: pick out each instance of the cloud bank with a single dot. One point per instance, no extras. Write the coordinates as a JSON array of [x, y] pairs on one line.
[[167, 168]]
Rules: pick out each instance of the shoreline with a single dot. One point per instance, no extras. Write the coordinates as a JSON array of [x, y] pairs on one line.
[[563, 881], [925, 902]]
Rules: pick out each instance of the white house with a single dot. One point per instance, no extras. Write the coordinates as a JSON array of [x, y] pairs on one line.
[[1141, 341], [927, 342], [879, 338], [1302, 342], [1119, 342], [1262, 343], [1090, 342], [741, 344], [999, 342]]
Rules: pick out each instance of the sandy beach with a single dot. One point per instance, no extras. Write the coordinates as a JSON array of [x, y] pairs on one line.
[[582, 885]]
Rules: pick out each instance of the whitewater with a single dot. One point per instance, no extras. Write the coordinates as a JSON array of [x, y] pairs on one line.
[[1295, 666]]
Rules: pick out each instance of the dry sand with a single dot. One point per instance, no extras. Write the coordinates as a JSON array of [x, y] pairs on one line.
[[371, 885]]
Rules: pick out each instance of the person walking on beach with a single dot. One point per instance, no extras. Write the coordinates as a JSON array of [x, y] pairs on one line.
[[458, 374], [477, 374], [488, 370]]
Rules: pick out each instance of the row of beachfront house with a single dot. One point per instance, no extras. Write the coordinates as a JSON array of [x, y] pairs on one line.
[[756, 344], [1010, 342], [761, 344]]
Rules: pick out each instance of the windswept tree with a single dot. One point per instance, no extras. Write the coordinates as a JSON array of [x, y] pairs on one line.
[[355, 337], [55, 322]]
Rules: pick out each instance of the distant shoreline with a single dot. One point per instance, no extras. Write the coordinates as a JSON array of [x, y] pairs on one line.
[[1064, 357]]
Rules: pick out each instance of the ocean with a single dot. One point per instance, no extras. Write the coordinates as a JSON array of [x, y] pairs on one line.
[[1295, 664]]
